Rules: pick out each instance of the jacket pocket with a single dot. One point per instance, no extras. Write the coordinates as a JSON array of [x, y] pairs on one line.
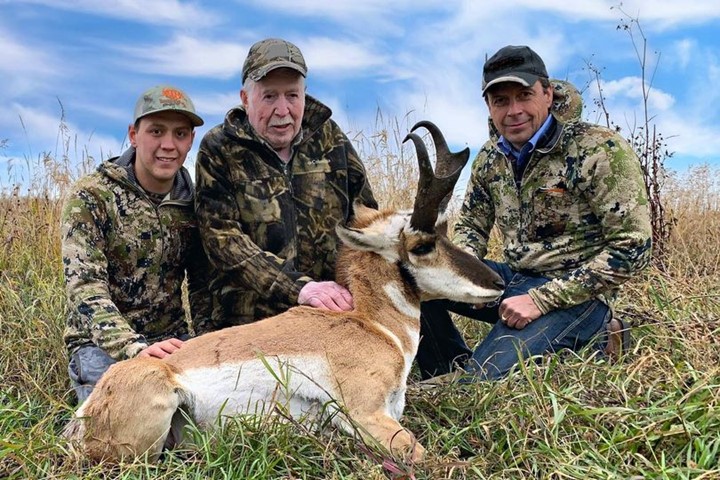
[[552, 210], [261, 200]]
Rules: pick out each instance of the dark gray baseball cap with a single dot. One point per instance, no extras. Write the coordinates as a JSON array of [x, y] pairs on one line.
[[512, 63], [269, 54], [162, 98]]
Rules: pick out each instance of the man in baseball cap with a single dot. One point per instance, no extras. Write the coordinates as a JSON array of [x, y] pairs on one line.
[[129, 239], [273, 180], [568, 198]]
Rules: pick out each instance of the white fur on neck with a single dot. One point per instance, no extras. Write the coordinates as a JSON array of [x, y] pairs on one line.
[[400, 301]]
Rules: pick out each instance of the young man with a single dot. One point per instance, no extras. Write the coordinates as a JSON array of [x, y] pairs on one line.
[[273, 181], [129, 237], [570, 203]]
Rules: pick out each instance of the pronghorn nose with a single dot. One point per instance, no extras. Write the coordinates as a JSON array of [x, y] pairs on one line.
[[500, 284]]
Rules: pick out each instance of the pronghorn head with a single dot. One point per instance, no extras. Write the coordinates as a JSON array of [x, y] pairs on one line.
[[417, 241]]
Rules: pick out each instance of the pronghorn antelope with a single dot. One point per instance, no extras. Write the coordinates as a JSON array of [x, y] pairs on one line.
[[306, 361]]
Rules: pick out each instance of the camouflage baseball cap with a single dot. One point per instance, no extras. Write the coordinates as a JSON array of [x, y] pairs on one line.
[[269, 54], [512, 63], [162, 98]]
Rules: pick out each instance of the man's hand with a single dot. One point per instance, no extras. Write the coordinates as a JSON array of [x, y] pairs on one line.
[[327, 296], [517, 312], [162, 349]]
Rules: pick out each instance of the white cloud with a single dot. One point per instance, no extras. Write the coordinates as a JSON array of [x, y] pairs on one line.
[[119, 115], [216, 103], [663, 13], [19, 58], [462, 119], [689, 137], [671, 13], [187, 56], [197, 57], [632, 88], [25, 68], [47, 133], [411, 60], [366, 14], [330, 56], [156, 12], [682, 52], [472, 10]]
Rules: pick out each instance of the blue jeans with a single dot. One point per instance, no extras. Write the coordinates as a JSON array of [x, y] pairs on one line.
[[442, 347], [86, 367]]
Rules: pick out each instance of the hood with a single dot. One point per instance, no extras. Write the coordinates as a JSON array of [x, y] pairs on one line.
[[120, 169]]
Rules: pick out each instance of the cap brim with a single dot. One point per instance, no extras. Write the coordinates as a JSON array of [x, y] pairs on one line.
[[265, 69], [195, 120], [526, 80]]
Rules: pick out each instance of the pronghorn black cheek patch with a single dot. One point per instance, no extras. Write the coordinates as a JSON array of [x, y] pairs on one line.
[[408, 277]]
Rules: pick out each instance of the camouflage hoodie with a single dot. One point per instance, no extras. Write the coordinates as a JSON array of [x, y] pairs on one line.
[[269, 227], [580, 215], [125, 260]]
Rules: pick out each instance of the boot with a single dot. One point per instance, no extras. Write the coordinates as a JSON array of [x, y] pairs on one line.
[[619, 338]]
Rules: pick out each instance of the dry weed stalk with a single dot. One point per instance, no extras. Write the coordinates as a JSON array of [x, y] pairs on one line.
[[649, 144]]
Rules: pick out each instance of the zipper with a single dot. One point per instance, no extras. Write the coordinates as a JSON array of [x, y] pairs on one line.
[[288, 178], [156, 208]]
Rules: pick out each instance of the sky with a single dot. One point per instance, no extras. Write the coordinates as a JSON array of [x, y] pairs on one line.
[[73, 69]]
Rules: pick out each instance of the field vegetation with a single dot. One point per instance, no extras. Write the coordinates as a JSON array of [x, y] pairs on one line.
[[653, 414]]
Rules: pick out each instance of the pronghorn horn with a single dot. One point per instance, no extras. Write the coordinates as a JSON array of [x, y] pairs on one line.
[[434, 189], [447, 162]]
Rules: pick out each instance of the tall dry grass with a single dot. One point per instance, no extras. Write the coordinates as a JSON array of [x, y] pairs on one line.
[[655, 414], [390, 164]]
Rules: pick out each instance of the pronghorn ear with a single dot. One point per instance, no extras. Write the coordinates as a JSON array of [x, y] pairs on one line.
[[441, 225], [363, 240], [360, 210]]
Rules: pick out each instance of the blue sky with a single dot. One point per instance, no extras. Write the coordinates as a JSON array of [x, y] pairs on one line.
[[89, 60]]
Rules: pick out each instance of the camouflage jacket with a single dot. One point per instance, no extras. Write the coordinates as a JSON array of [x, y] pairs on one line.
[[269, 227], [125, 260], [580, 215]]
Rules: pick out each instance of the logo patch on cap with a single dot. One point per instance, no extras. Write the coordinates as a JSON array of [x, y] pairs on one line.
[[173, 94]]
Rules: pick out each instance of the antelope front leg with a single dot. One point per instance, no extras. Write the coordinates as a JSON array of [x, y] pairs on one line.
[[391, 435]]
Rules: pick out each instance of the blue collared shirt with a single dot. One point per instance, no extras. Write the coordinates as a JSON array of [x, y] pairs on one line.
[[521, 156]]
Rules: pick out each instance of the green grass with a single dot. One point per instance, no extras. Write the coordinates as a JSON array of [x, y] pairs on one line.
[[655, 414]]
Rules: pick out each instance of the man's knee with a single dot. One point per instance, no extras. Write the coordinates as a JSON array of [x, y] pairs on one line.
[[86, 367]]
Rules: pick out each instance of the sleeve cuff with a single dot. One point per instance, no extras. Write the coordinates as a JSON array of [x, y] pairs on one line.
[[541, 301]]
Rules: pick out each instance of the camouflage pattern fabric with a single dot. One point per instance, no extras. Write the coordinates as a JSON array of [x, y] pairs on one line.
[[269, 54], [125, 260], [567, 101], [581, 215], [269, 227], [165, 98]]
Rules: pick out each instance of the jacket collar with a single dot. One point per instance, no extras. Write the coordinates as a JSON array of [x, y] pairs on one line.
[[121, 169], [315, 115]]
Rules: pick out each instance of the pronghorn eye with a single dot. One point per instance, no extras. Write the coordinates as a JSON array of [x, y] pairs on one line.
[[423, 249]]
